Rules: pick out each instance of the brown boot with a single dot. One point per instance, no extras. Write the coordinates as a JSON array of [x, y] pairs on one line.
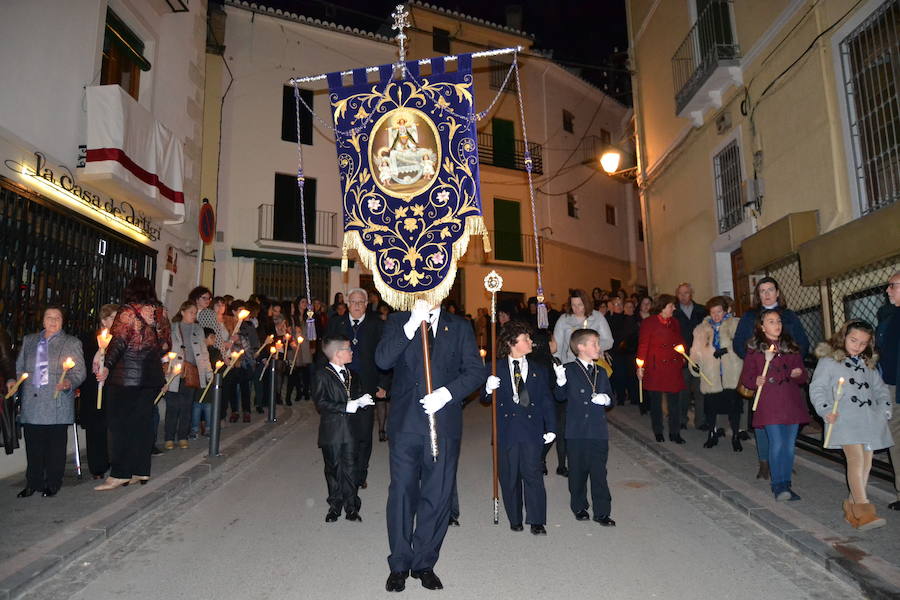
[[866, 517], [848, 513], [763, 472]]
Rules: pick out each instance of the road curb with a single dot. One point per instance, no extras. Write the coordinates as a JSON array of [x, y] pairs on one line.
[[83, 540], [837, 561]]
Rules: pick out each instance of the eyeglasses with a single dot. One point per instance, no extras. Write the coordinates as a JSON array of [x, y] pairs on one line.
[[893, 283]]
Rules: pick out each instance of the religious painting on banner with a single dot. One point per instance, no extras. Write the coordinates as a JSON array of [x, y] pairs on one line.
[[408, 158]]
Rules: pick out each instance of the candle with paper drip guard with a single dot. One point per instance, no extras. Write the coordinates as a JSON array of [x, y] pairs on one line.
[[640, 365], [103, 340], [219, 365], [242, 314], [15, 387], [770, 354], [297, 343], [837, 397], [483, 353], [234, 358], [67, 364], [272, 350], [265, 343], [680, 350], [176, 371], [170, 358]]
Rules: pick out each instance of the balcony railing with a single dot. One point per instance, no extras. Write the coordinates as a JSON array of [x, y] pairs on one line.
[[710, 44], [321, 228], [509, 154], [507, 247]]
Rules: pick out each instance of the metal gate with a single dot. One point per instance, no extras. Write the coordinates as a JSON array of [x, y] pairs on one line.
[[49, 255], [283, 280]]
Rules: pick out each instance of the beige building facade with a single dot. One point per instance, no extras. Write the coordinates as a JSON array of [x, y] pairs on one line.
[[768, 143]]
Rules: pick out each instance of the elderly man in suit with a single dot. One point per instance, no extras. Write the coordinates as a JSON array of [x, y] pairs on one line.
[[363, 329], [419, 496]]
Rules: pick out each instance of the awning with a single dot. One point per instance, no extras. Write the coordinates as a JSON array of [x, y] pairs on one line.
[[778, 240], [292, 258], [132, 155], [860, 242], [119, 34]]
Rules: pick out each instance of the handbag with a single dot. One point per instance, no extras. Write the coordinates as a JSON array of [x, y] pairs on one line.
[[744, 392], [190, 375]]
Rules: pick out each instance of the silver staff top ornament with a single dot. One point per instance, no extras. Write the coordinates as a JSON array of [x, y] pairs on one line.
[[493, 282]]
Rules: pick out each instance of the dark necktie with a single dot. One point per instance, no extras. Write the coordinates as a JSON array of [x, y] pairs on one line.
[[590, 371], [355, 328], [524, 400], [344, 375]]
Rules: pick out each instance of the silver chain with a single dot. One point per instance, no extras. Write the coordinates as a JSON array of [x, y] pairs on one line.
[[300, 182]]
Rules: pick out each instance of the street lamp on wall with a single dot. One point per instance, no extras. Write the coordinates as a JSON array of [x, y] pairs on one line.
[[610, 160]]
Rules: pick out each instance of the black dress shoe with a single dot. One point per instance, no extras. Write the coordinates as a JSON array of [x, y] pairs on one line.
[[676, 438], [582, 515], [516, 527], [538, 530], [428, 578], [154, 451], [711, 440], [562, 471], [743, 435], [25, 492], [354, 516], [49, 492], [332, 516], [660, 437], [894, 505], [396, 581], [364, 484], [736, 444], [454, 522], [605, 521], [259, 410]]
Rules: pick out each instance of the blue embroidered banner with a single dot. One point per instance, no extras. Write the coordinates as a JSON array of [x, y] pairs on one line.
[[408, 159]]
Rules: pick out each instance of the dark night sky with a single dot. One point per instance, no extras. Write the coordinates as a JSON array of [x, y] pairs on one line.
[[580, 33]]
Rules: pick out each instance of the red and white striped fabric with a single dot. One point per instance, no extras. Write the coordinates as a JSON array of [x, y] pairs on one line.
[[131, 155]]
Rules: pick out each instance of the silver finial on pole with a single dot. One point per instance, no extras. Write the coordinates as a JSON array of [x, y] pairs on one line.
[[401, 22]]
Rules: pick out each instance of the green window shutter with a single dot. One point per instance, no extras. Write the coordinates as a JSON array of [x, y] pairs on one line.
[[507, 230], [504, 143], [120, 34]]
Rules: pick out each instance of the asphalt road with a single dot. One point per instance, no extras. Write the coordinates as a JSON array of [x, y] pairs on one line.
[[258, 532]]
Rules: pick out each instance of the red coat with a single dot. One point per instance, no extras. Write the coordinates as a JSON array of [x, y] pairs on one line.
[[782, 401], [656, 345]]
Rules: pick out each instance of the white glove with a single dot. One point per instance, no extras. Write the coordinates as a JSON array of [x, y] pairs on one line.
[[365, 401], [418, 314], [436, 400], [549, 437], [601, 399], [493, 382], [560, 375], [352, 406]]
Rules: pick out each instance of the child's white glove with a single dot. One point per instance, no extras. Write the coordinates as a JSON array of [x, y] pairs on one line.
[[493, 382], [549, 437], [365, 400], [560, 375], [352, 406], [436, 400], [601, 399]]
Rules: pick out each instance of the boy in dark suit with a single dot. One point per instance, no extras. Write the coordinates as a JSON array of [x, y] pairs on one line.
[[586, 388], [525, 422], [337, 393]]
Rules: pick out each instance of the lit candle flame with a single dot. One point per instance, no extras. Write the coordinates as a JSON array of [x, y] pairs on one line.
[[235, 354], [287, 337], [299, 339], [272, 349], [679, 349], [177, 369], [68, 363], [171, 355], [639, 362], [482, 352], [219, 364], [772, 348], [243, 314]]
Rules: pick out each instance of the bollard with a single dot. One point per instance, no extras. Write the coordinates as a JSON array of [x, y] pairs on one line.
[[77, 452], [216, 426], [271, 418]]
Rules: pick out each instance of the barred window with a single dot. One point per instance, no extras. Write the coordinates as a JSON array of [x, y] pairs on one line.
[[870, 58], [572, 206], [499, 70], [727, 165]]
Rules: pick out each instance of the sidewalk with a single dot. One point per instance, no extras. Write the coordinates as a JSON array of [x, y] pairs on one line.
[[814, 525], [43, 534]]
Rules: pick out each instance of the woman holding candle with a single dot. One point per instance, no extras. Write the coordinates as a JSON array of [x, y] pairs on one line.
[[188, 342], [846, 376], [91, 417], [54, 361], [782, 407], [661, 373], [713, 353], [134, 376]]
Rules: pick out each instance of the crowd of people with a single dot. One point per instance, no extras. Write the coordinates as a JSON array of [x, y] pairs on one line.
[[682, 362]]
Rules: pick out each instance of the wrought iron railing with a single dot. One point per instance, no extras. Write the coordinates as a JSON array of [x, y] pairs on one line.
[[321, 227], [510, 155], [709, 42], [499, 72]]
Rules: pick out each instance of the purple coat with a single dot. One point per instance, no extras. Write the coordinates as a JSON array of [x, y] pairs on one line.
[[781, 401]]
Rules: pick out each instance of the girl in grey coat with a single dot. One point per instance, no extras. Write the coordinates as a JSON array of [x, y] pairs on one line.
[[45, 419], [860, 424]]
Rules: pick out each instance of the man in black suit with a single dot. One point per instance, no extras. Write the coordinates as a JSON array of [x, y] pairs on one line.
[[338, 394], [689, 315], [525, 423], [418, 508], [363, 329]]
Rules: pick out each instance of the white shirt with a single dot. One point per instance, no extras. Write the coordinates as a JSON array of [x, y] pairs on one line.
[[358, 321], [338, 369], [585, 363], [523, 367], [433, 317]]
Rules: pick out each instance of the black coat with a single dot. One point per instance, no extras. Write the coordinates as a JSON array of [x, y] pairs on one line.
[[331, 399], [689, 323], [88, 415], [624, 330], [370, 332]]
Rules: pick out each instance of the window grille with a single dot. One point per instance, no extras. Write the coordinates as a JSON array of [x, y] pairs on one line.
[[568, 121], [804, 300], [283, 280], [499, 69], [727, 165], [870, 58], [572, 206]]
